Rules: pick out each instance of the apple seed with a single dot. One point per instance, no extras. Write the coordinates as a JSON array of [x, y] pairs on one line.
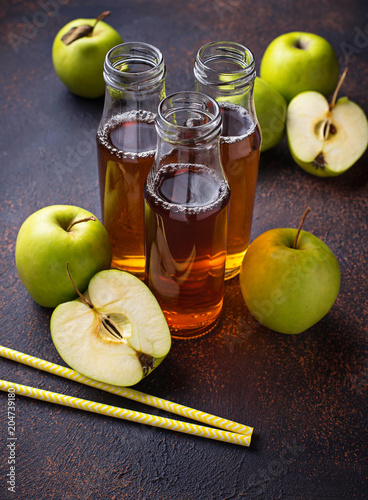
[[111, 328]]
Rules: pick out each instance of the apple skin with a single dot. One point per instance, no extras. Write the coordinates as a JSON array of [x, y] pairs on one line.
[[44, 246], [289, 290], [271, 113], [79, 65], [292, 70]]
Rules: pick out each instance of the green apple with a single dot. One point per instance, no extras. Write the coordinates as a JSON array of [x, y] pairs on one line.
[[325, 140], [271, 113], [116, 334], [53, 236], [296, 62], [79, 62], [289, 289]]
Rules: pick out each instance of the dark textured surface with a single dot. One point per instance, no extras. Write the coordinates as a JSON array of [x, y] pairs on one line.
[[305, 395]]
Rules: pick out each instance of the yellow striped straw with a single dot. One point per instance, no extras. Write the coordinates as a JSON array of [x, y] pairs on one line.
[[128, 393], [134, 416]]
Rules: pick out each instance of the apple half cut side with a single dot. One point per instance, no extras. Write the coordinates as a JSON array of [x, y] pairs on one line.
[[117, 335], [320, 153]]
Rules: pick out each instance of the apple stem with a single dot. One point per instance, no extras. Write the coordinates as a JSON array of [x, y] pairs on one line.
[[301, 225], [326, 124], [77, 32], [340, 82], [92, 217], [86, 301], [101, 17]]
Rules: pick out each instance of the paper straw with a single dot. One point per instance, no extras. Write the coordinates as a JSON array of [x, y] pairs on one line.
[[132, 394], [134, 416]]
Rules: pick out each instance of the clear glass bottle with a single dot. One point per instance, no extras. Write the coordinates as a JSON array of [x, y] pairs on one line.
[[134, 73], [186, 199], [226, 72]]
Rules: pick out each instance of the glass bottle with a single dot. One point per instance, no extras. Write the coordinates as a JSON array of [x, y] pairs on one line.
[[134, 73], [226, 72], [186, 198]]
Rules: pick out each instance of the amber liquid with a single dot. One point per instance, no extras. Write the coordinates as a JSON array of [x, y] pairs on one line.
[[126, 148], [240, 151], [186, 227]]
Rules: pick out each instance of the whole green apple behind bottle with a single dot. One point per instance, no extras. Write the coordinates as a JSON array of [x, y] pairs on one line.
[[134, 73], [226, 72]]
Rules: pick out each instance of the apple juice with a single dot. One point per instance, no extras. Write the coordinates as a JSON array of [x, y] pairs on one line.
[[225, 71], [126, 148], [240, 151], [186, 226]]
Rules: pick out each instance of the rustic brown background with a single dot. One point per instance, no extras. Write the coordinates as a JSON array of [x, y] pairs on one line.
[[305, 395]]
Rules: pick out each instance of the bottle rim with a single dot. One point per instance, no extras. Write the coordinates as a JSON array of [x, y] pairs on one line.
[[134, 52], [226, 79], [199, 107]]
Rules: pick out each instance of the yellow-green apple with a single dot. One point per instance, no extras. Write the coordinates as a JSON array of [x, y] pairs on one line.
[[289, 279], [78, 54], [271, 113], [53, 236], [116, 333], [326, 139], [298, 61]]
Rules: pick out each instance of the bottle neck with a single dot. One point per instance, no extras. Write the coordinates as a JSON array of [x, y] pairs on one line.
[[188, 119], [188, 126], [134, 73], [134, 67], [226, 72]]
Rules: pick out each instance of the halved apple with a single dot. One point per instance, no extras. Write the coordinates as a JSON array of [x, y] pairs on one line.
[[324, 139], [116, 333]]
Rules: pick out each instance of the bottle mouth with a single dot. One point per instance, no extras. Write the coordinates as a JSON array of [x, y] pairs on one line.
[[135, 66], [188, 117], [225, 65]]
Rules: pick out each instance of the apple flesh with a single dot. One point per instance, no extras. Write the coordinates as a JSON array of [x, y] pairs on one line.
[[53, 236], [296, 62], [289, 289], [118, 336], [79, 65], [315, 151]]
